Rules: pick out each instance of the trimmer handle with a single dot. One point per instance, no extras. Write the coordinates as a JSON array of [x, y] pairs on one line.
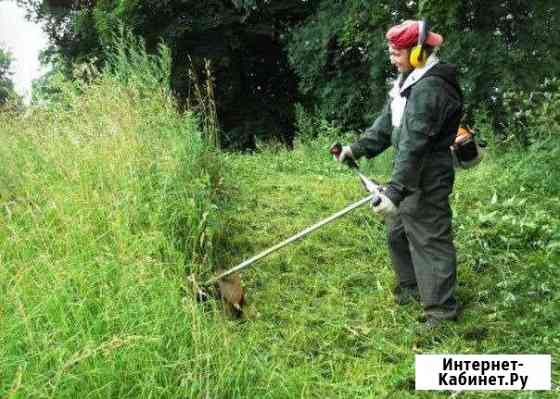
[[336, 149]]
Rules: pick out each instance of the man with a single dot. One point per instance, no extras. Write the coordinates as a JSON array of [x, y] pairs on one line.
[[420, 120]]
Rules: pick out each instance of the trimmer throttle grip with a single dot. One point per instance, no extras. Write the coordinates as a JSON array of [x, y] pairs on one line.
[[336, 149]]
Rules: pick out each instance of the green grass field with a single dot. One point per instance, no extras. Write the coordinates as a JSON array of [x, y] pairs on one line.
[[321, 311], [110, 201]]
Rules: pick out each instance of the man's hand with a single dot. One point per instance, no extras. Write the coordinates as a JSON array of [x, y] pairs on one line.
[[345, 155], [383, 205]]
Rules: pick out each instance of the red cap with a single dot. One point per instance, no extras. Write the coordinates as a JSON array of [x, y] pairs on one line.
[[405, 35]]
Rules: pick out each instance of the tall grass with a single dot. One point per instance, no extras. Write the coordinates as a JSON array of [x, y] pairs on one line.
[[203, 100], [108, 199]]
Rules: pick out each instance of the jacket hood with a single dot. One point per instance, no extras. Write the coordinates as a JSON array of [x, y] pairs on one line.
[[447, 72]]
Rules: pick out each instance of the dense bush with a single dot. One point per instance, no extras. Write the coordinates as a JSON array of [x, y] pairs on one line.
[[339, 56], [535, 114]]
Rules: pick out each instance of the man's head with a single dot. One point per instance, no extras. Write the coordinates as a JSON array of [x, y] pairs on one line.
[[403, 38]]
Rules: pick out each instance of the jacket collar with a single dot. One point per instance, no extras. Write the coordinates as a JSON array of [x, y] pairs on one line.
[[417, 73]]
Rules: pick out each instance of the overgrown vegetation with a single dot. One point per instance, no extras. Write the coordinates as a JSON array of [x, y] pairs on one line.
[[535, 114], [108, 201]]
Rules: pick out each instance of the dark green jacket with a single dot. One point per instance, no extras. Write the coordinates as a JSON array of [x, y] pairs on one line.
[[430, 121]]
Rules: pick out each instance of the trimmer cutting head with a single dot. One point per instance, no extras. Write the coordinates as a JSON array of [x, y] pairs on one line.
[[228, 289], [232, 293]]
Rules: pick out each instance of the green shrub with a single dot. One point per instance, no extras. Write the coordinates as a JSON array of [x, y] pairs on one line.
[[534, 116], [311, 128]]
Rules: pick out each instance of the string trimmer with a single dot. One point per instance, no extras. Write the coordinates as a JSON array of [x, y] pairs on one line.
[[227, 284]]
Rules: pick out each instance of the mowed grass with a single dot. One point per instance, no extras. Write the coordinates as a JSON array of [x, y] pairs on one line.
[[321, 311]]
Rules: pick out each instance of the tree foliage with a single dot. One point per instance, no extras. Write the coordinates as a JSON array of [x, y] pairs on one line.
[[255, 88], [6, 85], [329, 55], [339, 53]]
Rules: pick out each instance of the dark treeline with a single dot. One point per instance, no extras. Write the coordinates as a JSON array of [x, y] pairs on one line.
[[329, 55]]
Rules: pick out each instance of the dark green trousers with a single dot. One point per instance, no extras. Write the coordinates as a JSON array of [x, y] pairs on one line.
[[421, 241]]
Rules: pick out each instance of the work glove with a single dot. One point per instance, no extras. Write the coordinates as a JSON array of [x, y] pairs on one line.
[[345, 155], [383, 206]]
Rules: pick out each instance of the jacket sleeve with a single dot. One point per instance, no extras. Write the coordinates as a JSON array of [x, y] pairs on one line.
[[420, 122], [376, 138]]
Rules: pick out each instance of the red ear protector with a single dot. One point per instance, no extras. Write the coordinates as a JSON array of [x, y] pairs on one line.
[[418, 54]]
